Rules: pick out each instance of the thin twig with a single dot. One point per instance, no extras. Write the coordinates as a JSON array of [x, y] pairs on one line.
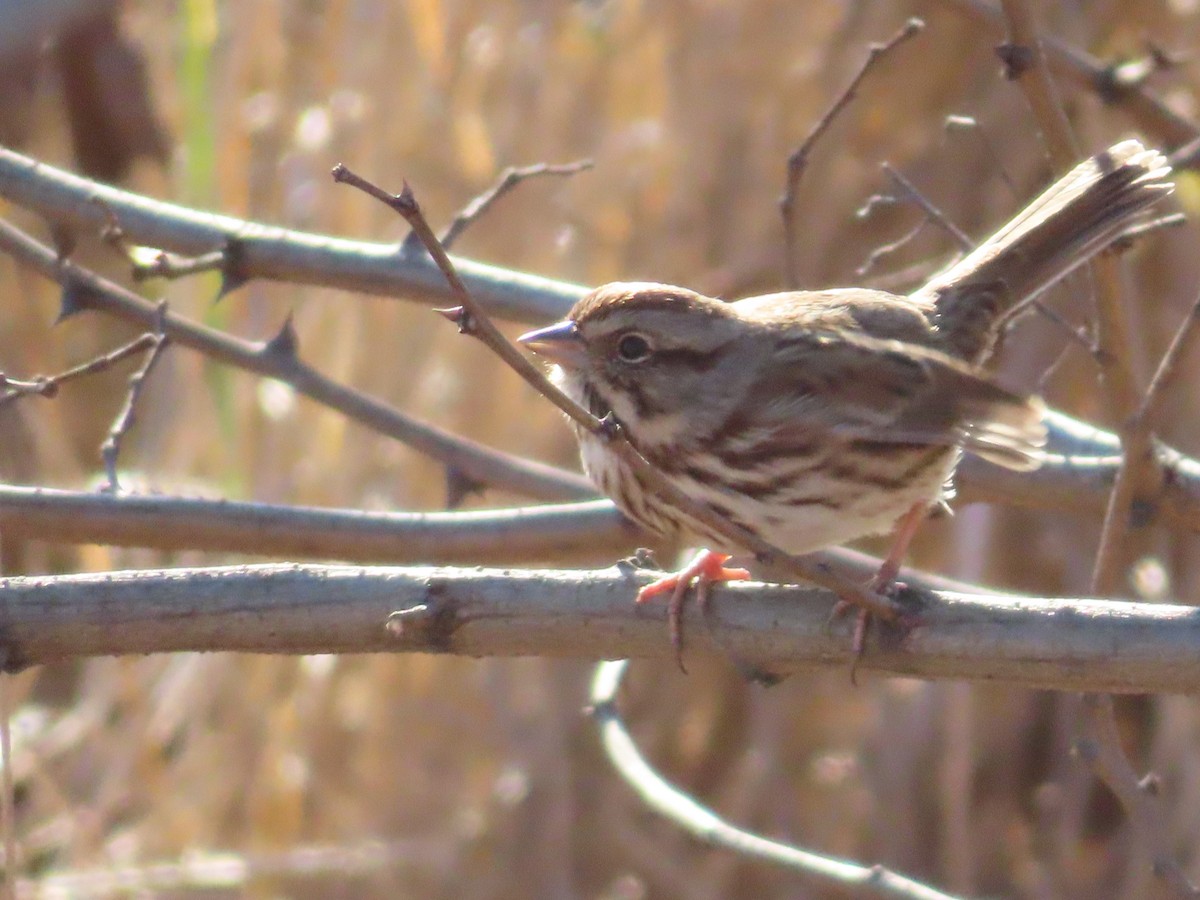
[[955, 124], [798, 160], [1137, 446], [473, 320], [935, 215], [1141, 229], [1099, 746], [703, 823], [508, 180], [884, 250], [110, 450], [48, 385]]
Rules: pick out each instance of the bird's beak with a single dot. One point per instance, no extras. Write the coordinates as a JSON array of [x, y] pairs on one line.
[[559, 343]]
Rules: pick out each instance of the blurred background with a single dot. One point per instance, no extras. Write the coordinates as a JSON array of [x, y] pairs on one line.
[[224, 775]]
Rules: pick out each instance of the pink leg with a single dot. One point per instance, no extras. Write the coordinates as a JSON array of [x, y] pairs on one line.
[[884, 580], [705, 568], [706, 564], [907, 529]]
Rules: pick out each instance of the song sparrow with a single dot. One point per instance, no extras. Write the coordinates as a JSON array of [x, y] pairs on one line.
[[816, 417]]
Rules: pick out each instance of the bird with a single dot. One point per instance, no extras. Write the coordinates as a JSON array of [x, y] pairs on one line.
[[816, 417]]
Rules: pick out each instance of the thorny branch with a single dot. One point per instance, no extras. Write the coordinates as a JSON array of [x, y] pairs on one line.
[[279, 358]]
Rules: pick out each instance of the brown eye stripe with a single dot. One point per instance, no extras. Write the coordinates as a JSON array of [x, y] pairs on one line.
[[697, 360]]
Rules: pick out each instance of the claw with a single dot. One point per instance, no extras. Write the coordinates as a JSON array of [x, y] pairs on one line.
[[704, 569], [706, 565]]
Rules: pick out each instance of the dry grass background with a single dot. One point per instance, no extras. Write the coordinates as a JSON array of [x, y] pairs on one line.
[[427, 777]]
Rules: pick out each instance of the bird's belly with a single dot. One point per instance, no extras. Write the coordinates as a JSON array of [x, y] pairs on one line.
[[834, 503]]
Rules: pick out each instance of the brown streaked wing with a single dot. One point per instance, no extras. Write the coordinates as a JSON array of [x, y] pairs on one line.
[[856, 388]]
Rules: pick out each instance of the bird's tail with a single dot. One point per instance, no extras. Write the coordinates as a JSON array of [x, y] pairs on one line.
[[1075, 218]]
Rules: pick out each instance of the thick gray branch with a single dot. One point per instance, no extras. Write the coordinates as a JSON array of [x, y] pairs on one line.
[[276, 253], [1059, 644], [566, 533]]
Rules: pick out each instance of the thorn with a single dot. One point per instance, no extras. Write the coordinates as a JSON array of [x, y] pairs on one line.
[[71, 301], [233, 269], [460, 317], [285, 343], [1017, 59], [460, 486], [408, 199], [610, 427], [230, 282]]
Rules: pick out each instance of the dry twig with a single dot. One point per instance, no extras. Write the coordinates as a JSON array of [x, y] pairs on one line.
[[110, 450], [508, 180], [798, 160], [1085, 71], [48, 385]]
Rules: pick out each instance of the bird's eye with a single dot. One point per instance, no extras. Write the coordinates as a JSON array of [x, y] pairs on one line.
[[633, 348]]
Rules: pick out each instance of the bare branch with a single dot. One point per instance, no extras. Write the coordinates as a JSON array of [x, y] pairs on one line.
[[85, 290], [110, 450], [1025, 63], [1099, 746], [275, 253], [701, 822], [931, 211], [798, 160], [48, 385], [592, 532], [1046, 643], [508, 180]]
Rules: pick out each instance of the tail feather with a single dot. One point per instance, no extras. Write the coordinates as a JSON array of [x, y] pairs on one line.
[[1074, 219]]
